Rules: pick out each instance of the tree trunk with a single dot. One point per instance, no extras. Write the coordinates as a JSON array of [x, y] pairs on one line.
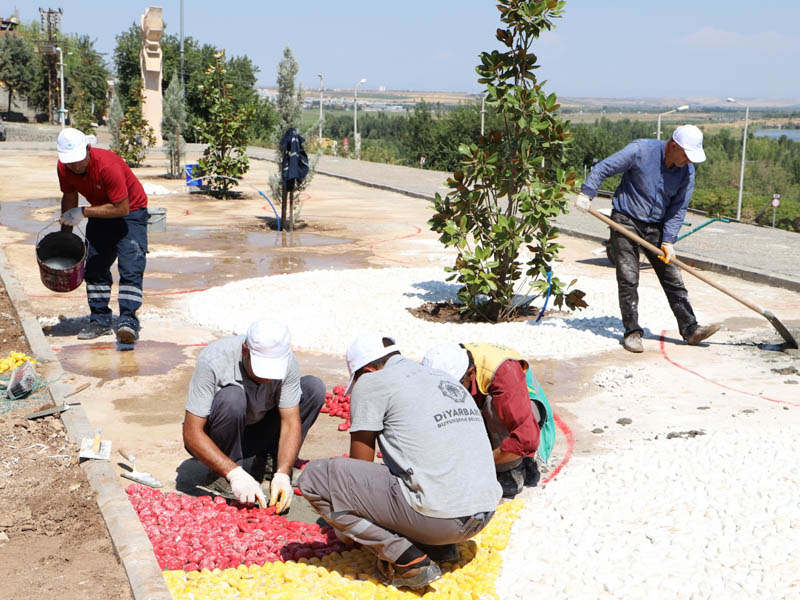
[[8, 112], [283, 207], [291, 210]]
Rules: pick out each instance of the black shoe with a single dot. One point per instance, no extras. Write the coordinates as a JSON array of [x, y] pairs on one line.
[[218, 485], [94, 330], [512, 481], [126, 334], [532, 475], [441, 554], [417, 574], [263, 467], [702, 333], [633, 342]]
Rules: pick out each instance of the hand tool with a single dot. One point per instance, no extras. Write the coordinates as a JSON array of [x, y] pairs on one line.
[[54, 410], [95, 447], [779, 327], [138, 476]]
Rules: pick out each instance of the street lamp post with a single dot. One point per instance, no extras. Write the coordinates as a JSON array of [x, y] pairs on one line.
[[62, 113], [320, 106], [669, 112], [356, 138], [744, 148]]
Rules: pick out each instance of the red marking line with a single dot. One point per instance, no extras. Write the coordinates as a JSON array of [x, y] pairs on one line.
[[88, 347], [570, 446], [402, 237], [722, 385]]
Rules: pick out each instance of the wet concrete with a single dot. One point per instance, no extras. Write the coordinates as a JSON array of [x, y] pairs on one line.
[[103, 361]]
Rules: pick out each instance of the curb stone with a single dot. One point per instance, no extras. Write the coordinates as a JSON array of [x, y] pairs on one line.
[[127, 535]]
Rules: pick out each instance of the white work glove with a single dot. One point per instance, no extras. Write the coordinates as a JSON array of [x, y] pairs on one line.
[[246, 489], [72, 217], [583, 202], [669, 253], [280, 492]]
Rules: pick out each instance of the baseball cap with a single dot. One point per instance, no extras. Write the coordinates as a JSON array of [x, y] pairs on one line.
[[690, 138], [448, 357], [268, 342], [71, 145], [365, 349]]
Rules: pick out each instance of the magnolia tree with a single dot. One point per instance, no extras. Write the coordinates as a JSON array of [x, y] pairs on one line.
[[512, 182], [224, 160]]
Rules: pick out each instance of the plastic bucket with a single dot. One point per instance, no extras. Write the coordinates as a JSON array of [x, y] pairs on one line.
[[156, 219], [62, 260], [191, 174]]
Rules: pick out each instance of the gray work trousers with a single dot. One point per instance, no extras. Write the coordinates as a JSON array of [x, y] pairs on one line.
[[226, 422], [363, 500]]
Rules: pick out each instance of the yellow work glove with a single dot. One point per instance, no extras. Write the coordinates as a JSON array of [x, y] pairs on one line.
[[669, 253], [280, 492]]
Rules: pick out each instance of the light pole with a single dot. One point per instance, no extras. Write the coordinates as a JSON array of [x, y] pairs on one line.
[[744, 148], [320, 106], [62, 113], [356, 139], [483, 109], [669, 112]]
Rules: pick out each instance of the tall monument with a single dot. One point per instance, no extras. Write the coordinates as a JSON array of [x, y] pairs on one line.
[[150, 60]]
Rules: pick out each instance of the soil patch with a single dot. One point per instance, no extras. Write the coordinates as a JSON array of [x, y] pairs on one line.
[[448, 312], [53, 541]]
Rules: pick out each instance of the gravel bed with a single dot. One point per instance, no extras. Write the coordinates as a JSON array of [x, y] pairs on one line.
[[327, 309], [701, 517]]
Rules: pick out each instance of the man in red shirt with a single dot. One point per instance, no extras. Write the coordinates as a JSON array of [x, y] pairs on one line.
[[116, 230], [495, 376]]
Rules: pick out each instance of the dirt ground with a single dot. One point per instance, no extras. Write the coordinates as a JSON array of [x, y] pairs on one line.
[[52, 537], [138, 397]]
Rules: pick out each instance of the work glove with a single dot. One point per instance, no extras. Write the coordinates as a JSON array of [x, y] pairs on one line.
[[280, 492], [72, 217], [583, 202], [246, 489], [669, 253]]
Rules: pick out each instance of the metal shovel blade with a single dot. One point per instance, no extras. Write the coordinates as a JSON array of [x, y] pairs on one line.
[[781, 328]]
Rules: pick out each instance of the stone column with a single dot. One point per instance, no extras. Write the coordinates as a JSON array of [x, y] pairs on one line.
[[150, 60]]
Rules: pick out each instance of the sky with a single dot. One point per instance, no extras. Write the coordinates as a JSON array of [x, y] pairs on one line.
[[600, 48]]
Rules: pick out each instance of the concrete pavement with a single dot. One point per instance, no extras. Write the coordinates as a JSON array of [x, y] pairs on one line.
[[751, 252]]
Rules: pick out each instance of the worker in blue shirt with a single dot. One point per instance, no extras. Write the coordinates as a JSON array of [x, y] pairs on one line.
[[651, 201]]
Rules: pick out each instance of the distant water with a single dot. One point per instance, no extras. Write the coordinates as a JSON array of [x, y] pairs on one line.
[[792, 134]]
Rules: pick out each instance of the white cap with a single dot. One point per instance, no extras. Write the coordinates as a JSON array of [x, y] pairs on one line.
[[71, 145], [268, 342], [448, 357], [690, 138], [364, 350]]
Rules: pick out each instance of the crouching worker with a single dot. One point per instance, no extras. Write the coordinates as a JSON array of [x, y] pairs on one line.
[[514, 408], [247, 399], [437, 487]]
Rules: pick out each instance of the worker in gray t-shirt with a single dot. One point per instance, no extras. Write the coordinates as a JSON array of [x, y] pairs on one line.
[[246, 398], [438, 485]]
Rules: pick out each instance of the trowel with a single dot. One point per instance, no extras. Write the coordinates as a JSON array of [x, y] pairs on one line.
[[95, 448], [138, 476]]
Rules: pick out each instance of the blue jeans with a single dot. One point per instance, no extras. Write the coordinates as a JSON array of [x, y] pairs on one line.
[[123, 240]]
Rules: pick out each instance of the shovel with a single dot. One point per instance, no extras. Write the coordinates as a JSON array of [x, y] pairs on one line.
[[779, 327]]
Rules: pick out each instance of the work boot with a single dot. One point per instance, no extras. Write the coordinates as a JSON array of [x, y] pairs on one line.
[[512, 481], [447, 553], [701, 333], [217, 485], [416, 574], [532, 475], [94, 330], [633, 342], [126, 334]]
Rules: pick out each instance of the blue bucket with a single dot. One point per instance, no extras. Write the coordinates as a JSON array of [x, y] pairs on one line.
[[191, 169]]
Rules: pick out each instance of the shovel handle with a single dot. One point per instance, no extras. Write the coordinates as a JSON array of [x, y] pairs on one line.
[[658, 252], [126, 455]]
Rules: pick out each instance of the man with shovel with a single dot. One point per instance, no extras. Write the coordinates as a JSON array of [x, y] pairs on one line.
[[246, 398], [116, 230], [651, 201]]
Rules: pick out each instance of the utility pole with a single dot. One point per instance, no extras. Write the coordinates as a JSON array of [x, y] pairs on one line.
[[50, 25], [182, 80]]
